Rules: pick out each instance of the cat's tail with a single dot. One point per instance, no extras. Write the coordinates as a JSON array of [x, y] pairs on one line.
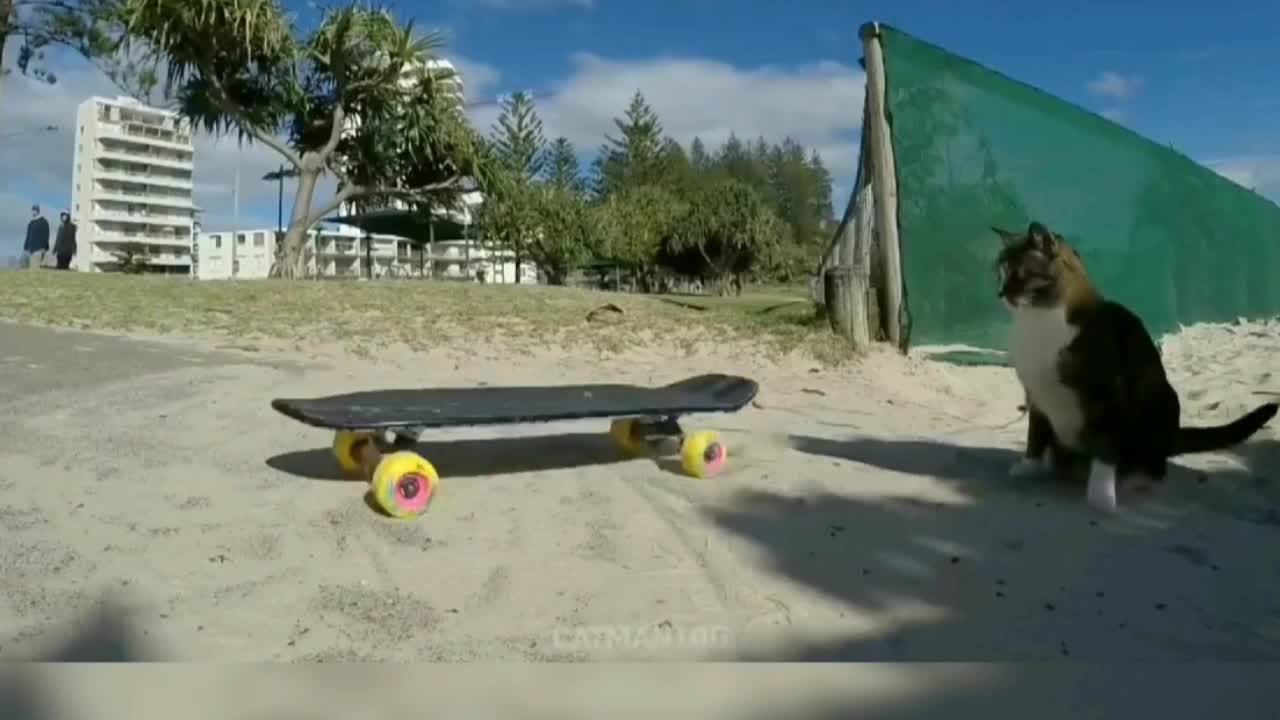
[[1208, 439]]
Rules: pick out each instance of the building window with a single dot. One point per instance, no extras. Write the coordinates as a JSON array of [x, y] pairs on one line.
[[239, 238], [82, 130], [77, 208], [217, 242], [259, 239]]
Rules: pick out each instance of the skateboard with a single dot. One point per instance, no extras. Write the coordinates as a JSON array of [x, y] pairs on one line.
[[376, 429]]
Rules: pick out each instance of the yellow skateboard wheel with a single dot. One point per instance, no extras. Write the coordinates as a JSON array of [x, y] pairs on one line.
[[624, 433], [703, 455], [403, 484], [345, 443]]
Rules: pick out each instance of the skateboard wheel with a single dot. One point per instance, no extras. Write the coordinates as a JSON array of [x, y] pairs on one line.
[[404, 484], [703, 455], [345, 443], [624, 433]]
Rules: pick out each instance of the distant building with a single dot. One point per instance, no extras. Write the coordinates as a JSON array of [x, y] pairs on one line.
[[132, 185], [341, 251]]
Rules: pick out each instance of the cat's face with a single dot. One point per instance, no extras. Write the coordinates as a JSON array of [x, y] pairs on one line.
[[1035, 267]]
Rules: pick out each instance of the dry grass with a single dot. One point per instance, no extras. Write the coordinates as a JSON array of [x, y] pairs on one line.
[[361, 316]]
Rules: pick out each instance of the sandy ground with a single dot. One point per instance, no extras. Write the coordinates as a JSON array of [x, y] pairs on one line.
[[153, 506]]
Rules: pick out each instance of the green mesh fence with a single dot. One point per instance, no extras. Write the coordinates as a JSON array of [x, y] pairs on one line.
[[1171, 239]]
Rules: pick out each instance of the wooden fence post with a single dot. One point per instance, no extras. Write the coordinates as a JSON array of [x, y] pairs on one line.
[[885, 183]]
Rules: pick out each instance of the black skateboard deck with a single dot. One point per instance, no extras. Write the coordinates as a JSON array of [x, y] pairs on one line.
[[402, 483], [425, 408]]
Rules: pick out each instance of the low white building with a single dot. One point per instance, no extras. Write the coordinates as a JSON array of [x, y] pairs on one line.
[[345, 251]]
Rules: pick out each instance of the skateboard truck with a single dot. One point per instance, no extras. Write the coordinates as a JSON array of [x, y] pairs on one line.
[[402, 482], [702, 454]]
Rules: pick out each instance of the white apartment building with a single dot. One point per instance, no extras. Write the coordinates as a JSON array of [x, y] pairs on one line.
[[341, 251], [132, 184]]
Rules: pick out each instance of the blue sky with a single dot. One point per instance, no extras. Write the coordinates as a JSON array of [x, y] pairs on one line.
[[1206, 79], [1200, 81]]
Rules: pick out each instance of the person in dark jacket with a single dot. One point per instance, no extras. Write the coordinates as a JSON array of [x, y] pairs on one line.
[[64, 246], [37, 243]]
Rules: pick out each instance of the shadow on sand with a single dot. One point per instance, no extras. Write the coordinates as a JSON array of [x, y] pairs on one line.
[[476, 457], [1045, 691], [109, 634], [1016, 570]]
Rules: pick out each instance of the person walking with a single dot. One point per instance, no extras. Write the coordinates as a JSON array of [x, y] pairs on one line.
[[64, 246], [37, 243]]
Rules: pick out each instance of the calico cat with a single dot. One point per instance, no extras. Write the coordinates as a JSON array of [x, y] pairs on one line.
[[1095, 384]]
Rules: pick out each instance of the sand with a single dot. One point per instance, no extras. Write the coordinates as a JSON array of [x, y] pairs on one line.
[[170, 513]]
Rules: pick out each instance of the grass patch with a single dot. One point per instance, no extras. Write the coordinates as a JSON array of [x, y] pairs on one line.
[[362, 316]]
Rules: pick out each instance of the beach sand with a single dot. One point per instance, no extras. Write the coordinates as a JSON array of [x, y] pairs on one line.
[[167, 512]]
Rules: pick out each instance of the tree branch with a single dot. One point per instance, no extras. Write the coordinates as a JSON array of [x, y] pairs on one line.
[[335, 133], [232, 108], [351, 192], [338, 68]]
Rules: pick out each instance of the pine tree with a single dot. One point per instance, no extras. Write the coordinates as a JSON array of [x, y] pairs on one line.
[[822, 185], [635, 157], [519, 144], [698, 157], [517, 136], [676, 171], [560, 166]]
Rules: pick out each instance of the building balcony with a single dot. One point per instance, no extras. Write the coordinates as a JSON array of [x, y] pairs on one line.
[[142, 198], [125, 174], [148, 218], [144, 157], [107, 238], [141, 136]]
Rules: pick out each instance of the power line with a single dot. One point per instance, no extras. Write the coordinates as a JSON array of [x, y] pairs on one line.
[[29, 131], [503, 97]]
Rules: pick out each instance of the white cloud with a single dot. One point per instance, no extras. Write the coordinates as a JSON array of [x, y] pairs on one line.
[[38, 165], [819, 105], [1256, 172], [1115, 86], [478, 79]]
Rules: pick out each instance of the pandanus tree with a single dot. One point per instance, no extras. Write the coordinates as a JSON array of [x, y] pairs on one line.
[[360, 97]]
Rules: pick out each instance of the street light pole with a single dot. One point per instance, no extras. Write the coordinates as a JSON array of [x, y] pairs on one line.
[[280, 203], [279, 176]]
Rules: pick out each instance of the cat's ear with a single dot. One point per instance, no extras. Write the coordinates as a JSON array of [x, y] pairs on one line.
[[1007, 237], [1040, 237]]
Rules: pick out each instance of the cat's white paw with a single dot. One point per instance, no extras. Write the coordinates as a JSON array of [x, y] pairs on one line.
[[1102, 487], [1026, 467]]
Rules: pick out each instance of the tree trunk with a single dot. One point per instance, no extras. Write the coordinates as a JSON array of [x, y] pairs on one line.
[[292, 262]]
